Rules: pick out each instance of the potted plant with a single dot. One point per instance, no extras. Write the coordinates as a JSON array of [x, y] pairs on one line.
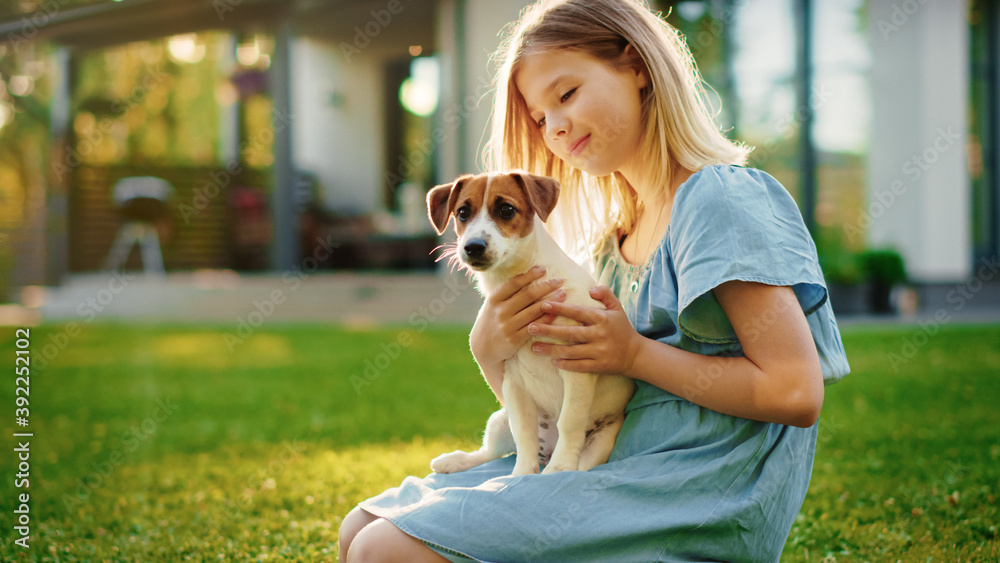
[[886, 270], [847, 282]]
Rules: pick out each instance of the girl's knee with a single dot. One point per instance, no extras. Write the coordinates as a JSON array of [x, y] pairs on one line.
[[355, 521], [382, 541]]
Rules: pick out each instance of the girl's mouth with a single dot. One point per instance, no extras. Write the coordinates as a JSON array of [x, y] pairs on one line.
[[576, 148]]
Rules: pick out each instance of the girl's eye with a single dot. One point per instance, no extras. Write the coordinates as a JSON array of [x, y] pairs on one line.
[[562, 99], [507, 211], [462, 214]]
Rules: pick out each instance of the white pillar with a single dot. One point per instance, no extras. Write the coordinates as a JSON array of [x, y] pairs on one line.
[[57, 197], [919, 187], [471, 107], [285, 246], [448, 126]]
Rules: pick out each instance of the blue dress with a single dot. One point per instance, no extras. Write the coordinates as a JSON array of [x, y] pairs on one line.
[[684, 483]]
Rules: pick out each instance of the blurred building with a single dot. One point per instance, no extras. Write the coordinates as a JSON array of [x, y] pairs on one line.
[[290, 127]]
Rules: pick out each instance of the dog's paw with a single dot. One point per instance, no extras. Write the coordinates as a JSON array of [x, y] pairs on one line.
[[557, 467], [528, 468], [453, 462]]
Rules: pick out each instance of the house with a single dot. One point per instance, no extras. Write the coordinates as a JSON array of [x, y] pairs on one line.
[[879, 116]]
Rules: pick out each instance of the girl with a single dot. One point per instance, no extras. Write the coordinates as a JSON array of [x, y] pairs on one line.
[[714, 303]]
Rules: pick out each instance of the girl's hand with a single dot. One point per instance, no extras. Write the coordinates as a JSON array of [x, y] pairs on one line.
[[606, 343], [501, 328]]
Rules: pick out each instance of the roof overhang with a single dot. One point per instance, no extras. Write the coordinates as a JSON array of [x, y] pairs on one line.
[[108, 23], [113, 23]]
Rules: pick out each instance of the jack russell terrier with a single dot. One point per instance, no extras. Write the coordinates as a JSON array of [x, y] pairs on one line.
[[499, 221]]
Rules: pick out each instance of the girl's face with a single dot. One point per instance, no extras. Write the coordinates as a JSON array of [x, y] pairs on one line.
[[587, 111]]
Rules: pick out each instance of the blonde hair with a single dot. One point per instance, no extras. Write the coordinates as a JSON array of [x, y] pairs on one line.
[[678, 121]]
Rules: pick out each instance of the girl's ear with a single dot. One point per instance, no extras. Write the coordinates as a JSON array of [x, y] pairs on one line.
[[542, 192], [638, 66], [441, 203]]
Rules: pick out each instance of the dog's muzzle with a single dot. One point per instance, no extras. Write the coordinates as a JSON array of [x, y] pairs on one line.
[[474, 253]]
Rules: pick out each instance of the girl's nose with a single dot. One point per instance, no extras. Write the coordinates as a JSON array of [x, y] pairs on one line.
[[556, 126]]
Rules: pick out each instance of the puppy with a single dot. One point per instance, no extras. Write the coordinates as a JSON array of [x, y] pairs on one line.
[[566, 421]]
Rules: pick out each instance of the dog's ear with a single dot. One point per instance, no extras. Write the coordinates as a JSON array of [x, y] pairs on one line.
[[441, 203], [542, 192]]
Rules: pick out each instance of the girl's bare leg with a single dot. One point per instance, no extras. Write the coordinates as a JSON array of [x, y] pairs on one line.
[[366, 538]]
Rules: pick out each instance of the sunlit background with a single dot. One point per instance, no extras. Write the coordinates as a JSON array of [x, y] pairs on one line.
[[281, 123], [218, 207]]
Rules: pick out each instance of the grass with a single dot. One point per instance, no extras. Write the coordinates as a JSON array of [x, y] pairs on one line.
[[158, 444]]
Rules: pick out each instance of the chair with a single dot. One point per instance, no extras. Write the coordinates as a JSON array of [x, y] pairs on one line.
[[142, 201]]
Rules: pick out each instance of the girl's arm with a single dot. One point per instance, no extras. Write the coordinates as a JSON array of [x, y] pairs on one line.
[[778, 380], [502, 324]]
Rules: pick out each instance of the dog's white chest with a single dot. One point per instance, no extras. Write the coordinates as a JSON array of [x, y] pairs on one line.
[[536, 375]]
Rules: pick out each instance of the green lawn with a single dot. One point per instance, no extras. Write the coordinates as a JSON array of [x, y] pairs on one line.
[[159, 444]]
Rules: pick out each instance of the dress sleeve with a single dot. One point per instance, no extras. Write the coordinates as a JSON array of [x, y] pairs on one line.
[[738, 224]]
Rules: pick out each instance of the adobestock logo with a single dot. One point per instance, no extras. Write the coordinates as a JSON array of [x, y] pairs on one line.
[[31, 24], [89, 309], [88, 142], [364, 35], [264, 308], [131, 440], [900, 16], [959, 296], [914, 169], [420, 320]]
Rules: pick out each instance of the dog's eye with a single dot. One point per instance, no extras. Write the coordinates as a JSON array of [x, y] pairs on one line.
[[462, 214], [507, 211]]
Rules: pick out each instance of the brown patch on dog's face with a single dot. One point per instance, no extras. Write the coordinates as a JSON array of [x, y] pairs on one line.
[[468, 202], [508, 207]]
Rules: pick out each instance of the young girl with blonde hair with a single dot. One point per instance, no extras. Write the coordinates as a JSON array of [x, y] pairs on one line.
[[714, 303]]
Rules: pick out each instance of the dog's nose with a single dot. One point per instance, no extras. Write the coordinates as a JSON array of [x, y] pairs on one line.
[[475, 248]]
